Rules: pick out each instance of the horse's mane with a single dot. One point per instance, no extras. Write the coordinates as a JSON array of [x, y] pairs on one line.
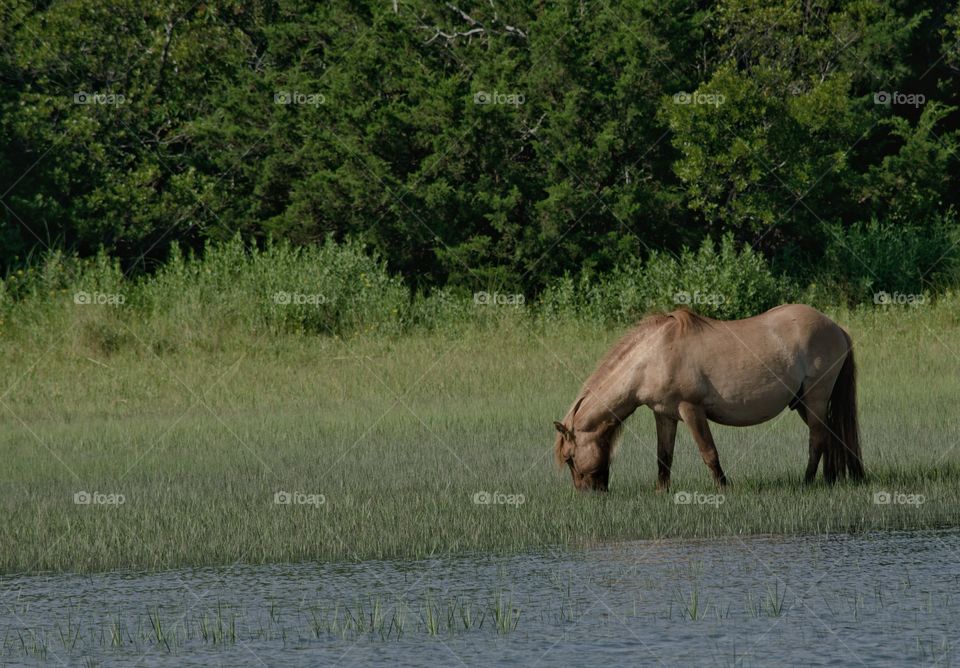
[[680, 322]]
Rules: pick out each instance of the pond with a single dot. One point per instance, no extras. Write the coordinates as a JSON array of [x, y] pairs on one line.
[[873, 599]]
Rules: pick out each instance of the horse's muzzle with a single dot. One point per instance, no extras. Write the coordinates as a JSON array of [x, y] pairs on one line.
[[597, 482]]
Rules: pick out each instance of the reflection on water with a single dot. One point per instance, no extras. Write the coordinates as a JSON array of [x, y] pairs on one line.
[[879, 599]]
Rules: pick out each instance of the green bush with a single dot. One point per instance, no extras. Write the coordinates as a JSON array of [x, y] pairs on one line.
[[228, 290], [872, 257], [232, 293], [326, 289], [717, 280], [38, 301]]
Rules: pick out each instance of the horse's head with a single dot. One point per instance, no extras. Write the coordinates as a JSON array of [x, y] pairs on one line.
[[586, 452]]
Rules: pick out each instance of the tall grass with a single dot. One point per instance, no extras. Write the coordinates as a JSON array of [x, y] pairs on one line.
[[400, 434]]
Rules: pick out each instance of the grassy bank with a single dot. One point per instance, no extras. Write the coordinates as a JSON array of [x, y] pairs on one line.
[[394, 437]]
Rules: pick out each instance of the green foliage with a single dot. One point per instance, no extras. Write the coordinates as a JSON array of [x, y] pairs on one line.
[[202, 300], [327, 289], [119, 172], [471, 145], [717, 280], [873, 257], [912, 185], [234, 290]]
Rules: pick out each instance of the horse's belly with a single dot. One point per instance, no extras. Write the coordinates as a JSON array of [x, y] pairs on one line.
[[738, 419], [747, 391], [742, 411]]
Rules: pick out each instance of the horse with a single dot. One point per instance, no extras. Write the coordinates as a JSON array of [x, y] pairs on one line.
[[690, 368]]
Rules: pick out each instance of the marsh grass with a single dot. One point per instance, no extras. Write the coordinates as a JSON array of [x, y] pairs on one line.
[[433, 615], [398, 433], [173, 630]]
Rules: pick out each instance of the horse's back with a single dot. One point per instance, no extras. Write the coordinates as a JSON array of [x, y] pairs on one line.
[[801, 314], [746, 371], [812, 332]]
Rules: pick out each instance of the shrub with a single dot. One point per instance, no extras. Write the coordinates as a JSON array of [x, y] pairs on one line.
[[42, 300], [228, 290], [871, 257], [717, 280], [326, 289]]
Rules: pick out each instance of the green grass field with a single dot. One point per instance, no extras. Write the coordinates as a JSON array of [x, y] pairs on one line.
[[398, 435]]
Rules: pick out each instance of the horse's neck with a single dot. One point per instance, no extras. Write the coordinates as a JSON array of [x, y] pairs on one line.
[[611, 394], [600, 411]]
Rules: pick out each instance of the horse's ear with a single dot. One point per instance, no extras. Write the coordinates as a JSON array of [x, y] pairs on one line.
[[577, 405], [562, 428]]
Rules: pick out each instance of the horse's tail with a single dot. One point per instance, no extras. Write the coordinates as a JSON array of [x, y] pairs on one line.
[[843, 454]]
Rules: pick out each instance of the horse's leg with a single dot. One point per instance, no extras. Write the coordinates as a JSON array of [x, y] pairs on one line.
[[666, 437], [818, 445], [816, 418], [696, 420]]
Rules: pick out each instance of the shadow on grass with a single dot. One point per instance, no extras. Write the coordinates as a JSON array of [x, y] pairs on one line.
[[916, 477]]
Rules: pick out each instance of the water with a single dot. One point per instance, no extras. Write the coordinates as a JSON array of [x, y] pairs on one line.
[[878, 599]]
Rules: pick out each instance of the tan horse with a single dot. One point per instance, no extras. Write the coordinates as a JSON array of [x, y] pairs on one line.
[[741, 372]]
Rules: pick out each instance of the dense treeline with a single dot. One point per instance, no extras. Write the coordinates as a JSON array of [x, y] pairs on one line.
[[487, 143]]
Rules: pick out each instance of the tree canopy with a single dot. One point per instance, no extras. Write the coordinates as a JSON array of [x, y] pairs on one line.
[[474, 142]]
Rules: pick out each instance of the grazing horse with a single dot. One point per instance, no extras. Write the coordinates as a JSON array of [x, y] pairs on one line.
[[694, 369]]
